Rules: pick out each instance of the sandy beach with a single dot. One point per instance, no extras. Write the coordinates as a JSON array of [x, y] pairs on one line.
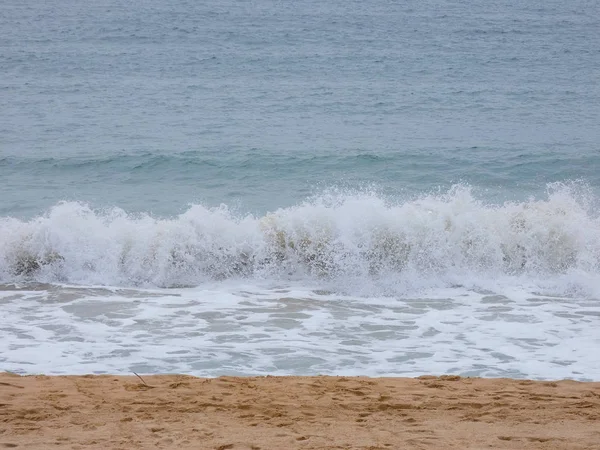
[[183, 412]]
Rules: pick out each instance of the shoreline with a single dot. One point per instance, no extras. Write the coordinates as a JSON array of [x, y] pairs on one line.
[[296, 412]]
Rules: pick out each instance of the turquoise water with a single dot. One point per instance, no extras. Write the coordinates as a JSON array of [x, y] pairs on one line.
[[306, 187]]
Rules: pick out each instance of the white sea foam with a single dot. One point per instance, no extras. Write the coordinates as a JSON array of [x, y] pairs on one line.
[[354, 242], [252, 329], [342, 284]]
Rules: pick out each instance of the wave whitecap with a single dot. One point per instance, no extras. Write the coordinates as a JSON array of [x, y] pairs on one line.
[[336, 236]]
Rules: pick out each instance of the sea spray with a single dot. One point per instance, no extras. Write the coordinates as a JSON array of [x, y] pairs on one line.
[[338, 236]]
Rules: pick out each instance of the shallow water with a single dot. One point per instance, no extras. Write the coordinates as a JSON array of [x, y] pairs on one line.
[[211, 332]]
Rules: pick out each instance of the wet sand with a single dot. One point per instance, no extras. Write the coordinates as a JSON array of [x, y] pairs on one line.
[[182, 412]]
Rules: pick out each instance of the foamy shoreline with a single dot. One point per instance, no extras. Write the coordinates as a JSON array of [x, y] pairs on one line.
[[178, 411]]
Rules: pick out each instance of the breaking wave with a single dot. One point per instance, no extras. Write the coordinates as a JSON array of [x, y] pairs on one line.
[[350, 238]]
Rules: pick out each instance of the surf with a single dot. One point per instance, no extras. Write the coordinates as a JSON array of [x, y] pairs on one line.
[[332, 236]]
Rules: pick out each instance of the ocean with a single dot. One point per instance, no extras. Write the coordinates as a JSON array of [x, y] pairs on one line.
[[265, 187]]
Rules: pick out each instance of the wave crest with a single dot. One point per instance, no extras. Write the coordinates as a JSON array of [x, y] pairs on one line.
[[334, 236]]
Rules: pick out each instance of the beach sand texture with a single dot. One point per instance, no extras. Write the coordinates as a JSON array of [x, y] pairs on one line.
[[183, 412]]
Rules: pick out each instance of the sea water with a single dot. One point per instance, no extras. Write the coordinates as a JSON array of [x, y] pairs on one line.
[[267, 187]]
